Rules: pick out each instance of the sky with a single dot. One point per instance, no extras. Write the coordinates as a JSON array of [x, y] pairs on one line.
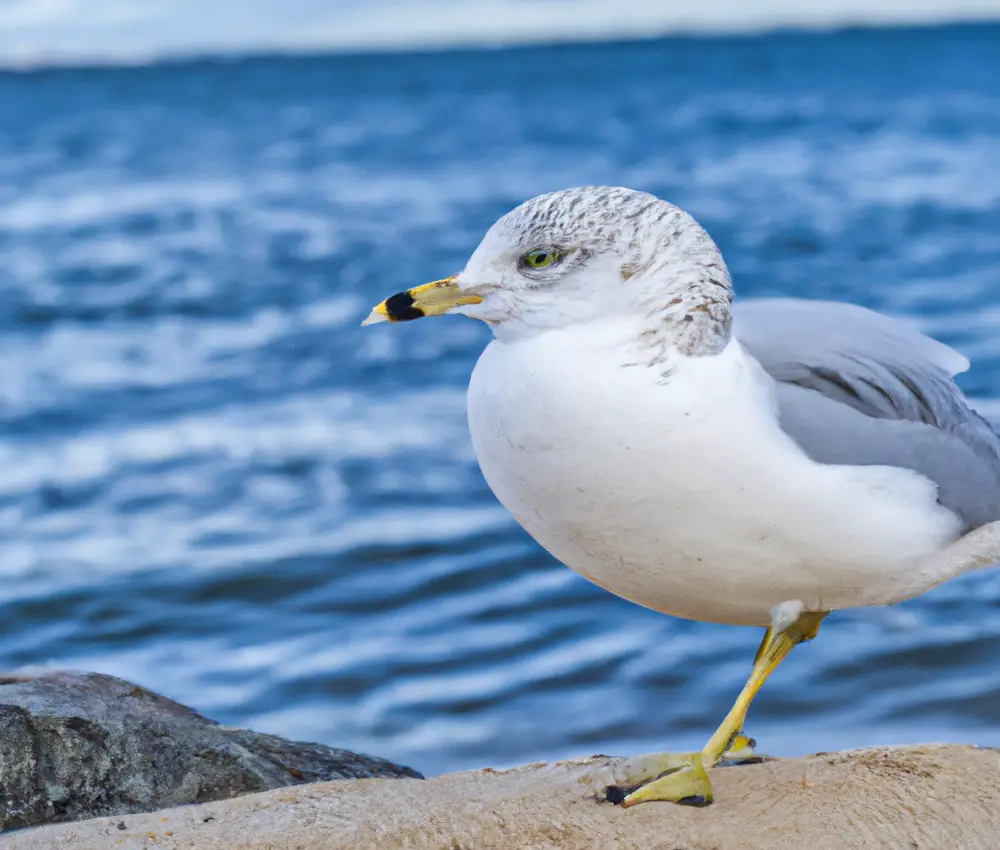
[[58, 31]]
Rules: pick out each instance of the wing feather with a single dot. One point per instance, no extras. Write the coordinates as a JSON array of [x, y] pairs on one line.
[[857, 387]]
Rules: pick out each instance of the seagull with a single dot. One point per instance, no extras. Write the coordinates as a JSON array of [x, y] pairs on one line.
[[757, 464]]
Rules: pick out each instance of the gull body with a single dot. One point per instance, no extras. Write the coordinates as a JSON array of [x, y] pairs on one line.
[[682, 493]]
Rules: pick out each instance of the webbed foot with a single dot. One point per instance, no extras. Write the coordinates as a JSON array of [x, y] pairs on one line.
[[677, 777]]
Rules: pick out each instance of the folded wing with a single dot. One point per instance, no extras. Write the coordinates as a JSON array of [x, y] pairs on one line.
[[857, 387]]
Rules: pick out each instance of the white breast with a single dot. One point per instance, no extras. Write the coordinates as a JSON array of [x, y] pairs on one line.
[[681, 493]]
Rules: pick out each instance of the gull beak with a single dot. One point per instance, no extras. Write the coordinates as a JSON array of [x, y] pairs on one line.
[[431, 299]]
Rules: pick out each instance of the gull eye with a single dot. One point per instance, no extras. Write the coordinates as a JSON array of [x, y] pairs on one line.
[[540, 259]]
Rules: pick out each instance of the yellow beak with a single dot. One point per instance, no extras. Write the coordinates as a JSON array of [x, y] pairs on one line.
[[431, 299]]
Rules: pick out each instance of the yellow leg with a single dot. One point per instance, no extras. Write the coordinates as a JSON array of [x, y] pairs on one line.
[[687, 778]]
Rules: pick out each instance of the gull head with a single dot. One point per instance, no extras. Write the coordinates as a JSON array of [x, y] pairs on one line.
[[583, 255]]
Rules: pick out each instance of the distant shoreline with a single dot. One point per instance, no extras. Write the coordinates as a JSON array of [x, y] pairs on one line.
[[807, 22]]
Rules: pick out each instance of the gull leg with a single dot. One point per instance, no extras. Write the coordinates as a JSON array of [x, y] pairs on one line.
[[686, 779]]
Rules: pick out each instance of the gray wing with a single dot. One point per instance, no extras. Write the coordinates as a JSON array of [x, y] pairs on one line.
[[856, 387]]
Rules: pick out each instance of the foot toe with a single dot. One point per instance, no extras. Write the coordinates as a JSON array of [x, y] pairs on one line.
[[741, 752], [637, 770], [689, 786], [677, 777]]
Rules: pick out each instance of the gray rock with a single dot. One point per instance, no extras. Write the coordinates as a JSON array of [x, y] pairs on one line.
[[80, 745]]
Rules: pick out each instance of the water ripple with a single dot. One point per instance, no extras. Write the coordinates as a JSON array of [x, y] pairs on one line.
[[214, 483]]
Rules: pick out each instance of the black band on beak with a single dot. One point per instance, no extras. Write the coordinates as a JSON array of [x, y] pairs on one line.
[[399, 308]]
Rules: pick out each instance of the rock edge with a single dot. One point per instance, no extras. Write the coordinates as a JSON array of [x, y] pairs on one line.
[[913, 798]]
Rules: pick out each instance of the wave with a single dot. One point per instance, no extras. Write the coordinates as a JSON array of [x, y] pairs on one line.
[[39, 33]]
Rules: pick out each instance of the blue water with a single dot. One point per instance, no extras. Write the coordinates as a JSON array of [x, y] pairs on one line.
[[214, 483]]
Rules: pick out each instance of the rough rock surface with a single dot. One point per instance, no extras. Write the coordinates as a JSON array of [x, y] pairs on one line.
[[78, 745], [900, 798]]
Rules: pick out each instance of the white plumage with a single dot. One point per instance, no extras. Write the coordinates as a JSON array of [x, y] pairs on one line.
[[688, 497]]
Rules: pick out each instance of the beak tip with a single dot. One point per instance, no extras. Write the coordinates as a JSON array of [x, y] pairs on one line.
[[374, 317]]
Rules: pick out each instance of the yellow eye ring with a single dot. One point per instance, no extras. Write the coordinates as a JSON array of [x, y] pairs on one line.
[[540, 259]]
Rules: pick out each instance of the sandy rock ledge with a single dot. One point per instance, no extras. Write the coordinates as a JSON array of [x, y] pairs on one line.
[[914, 798]]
